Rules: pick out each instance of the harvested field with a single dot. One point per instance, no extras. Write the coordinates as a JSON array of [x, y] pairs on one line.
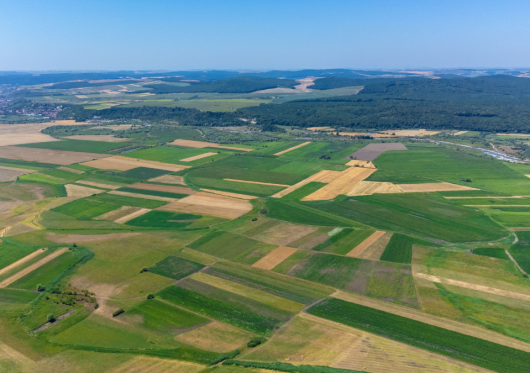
[[120, 163], [131, 216], [512, 134], [356, 163], [293, 148], [143, 196], [105, 138], [467, 285], [367, 188], [229, 194], [72, 170], [320, 129], [73, 190], [76, 238], [115, 127], [27, 133], [200, 156], [144, 364], [418, 315], [8, 281], [11, 173], [359, 249], [324, 176], [21, 261], [375, 251], [460, 133], [372, 151], [405, 133], [256, 182], [168, 179], [284, 233], [346, 181], [432, 187], [61, 157], [274, 258], [210, 204], [98, 184], [163, 188], [215, 337], [203, 144], [116, 214]]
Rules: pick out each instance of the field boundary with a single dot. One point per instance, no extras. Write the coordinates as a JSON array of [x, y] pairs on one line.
[[293, 148], [22, 261], [257, 182], [359, 249]]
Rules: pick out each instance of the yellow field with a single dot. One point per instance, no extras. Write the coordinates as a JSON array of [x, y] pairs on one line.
[[432, 187], [215, 337], [293, 148], [345, 182], [275, 257], [73, 190], [120, 163], [357, 163], [367, 188], [256, 182], [229, 194], [359, 249], [204, 144], [21, 170], [324, 176], [320, 129], [405, 133], [247, 292], [200, 156], [60, 157], [131, 216], [352, 133], [27, 133], [144, 364], [460, 133]]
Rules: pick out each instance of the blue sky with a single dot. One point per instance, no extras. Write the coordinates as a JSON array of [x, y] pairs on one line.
[[271, 34]]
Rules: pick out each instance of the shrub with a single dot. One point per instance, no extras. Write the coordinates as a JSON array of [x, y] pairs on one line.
[[256, 341], [40, 287], [118, 312], [264, 211], [150, 296], [144, 270], [50, 317]]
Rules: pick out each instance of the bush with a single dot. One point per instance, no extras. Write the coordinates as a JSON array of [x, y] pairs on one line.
[[50, 317], [144, 270], [118, 312], [40, 287], [150, 296], [256, 341], [264, 211]]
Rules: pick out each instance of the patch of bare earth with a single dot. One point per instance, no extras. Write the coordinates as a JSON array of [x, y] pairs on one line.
[[275, 257], [76, 238]]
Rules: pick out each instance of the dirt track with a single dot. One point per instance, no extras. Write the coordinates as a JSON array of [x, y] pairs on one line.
[[21, 261], [293, 148]]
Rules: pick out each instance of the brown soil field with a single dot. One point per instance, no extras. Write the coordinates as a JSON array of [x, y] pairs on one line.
[[11, 174], [72, 170], [210, 204], [405, 133], [284, 233], [324, 176], [275, 257], [372, 151], [229, 194], [432, 187], [168, 179], [359, 249], [256, 182], [19, 229], [204, 144], [26, 171], [97, 184], [60, 157], [8, 281], [144, 364], [73, 190], [293, 148], [131, 216], [116, 214], [347, 180], [22, 261], [142, 196], [216, 337], [460, 133], [356, 163], [418, 315], [467, 285], [375, 251], [367, 188], [75, 238], [124, 163], [200, 156], [105, 138], [163, 188]]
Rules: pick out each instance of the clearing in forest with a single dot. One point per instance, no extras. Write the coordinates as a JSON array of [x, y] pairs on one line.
[[359, 249], [125, 163], [293, 148], [274, 258], [200, 156], [204, 144]]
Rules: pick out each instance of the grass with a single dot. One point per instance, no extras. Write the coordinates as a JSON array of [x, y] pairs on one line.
[[302, 214], [127, 201], [521, 250], [491, 252], [458, 346], [85, 209], [399, 248], [224, 245], [143, 173], [224, 306], [16, 296], [175, 267], [76, 146], [152, 192], [304, 191], [40, 178], [234, 186], [344, 241], [161, 317], [10, 253], [163, 220]]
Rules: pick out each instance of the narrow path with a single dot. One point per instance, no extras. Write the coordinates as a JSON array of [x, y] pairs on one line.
[[513, 260]]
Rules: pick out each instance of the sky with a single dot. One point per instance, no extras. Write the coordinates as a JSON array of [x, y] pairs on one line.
[[37, 35]]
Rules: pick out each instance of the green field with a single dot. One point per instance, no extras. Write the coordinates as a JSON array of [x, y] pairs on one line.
[[344, 241], [126, 201], [152, 192], [521, 252], [16, 296], [77, 146], [399, 248], [142, 173], [175, 267], [85, 209], [491, 252], [304, 191], [442, 341]]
